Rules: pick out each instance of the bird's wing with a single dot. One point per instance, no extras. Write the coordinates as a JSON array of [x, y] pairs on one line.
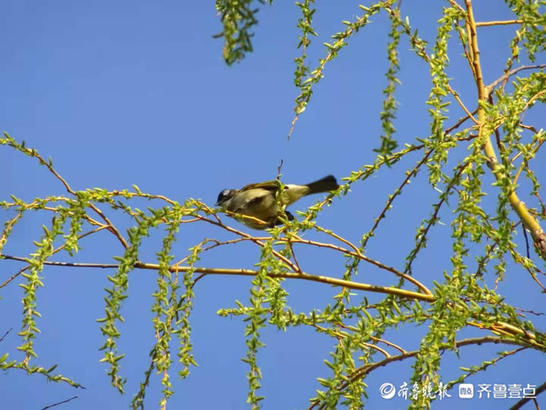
[[268, 186], [250, 199]]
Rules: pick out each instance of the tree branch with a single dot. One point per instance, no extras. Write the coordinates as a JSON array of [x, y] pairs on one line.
[[497, 23], [59, 403], [539, 237], [12, 277], [5, 334], [368, 368], [510, 73], [249, 272]]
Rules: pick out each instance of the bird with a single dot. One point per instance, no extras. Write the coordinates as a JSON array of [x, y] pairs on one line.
[[261, 205]]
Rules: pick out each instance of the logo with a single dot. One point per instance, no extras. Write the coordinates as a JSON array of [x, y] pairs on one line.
[[387, 390], [466, 390]]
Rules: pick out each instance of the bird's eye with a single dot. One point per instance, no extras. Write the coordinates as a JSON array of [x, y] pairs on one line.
[[224, 196]]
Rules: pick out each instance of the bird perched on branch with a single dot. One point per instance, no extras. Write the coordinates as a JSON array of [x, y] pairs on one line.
[[261, 205]]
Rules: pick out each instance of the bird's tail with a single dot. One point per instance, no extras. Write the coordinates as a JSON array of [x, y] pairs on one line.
[[325, 184]]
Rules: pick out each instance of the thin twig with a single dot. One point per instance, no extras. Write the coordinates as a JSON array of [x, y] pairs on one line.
[[528, 127], [59, 403], [397, 192], [461, 104], [434, 217], [458, 124], [375, 339], [531, 312], [497, 23], [216, 243], [512, 72], [342, 335], [457, 5], [111, 226], [356, 253], [5, 334], [289, 242], [15, 275], [219, 223], [49, 166]]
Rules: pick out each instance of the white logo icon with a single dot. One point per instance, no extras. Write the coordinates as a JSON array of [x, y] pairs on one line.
[[387, 390], [466, 390]]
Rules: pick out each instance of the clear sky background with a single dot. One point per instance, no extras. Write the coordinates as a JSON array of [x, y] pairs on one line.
[[136, 92]]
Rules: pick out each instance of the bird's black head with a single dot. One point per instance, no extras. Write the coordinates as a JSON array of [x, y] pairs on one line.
[[224, 196]]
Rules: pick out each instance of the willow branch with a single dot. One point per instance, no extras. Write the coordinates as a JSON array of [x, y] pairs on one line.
[[524, 162], [510, 73], [531, 223], [33, 153], [524, 337], [215, 243], [12, 277], [375, 339], [461, 104], [396, 193], [111, 226], [458, 124], [342, 335], [219, 223], [433, 219], [358, 254], [457, 5], [497, 23], [5, 334], [59, 403], [249, 272], [368, 368], [8, 226]]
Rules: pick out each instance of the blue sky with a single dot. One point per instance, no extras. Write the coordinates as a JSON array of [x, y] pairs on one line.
[[121, 93]]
